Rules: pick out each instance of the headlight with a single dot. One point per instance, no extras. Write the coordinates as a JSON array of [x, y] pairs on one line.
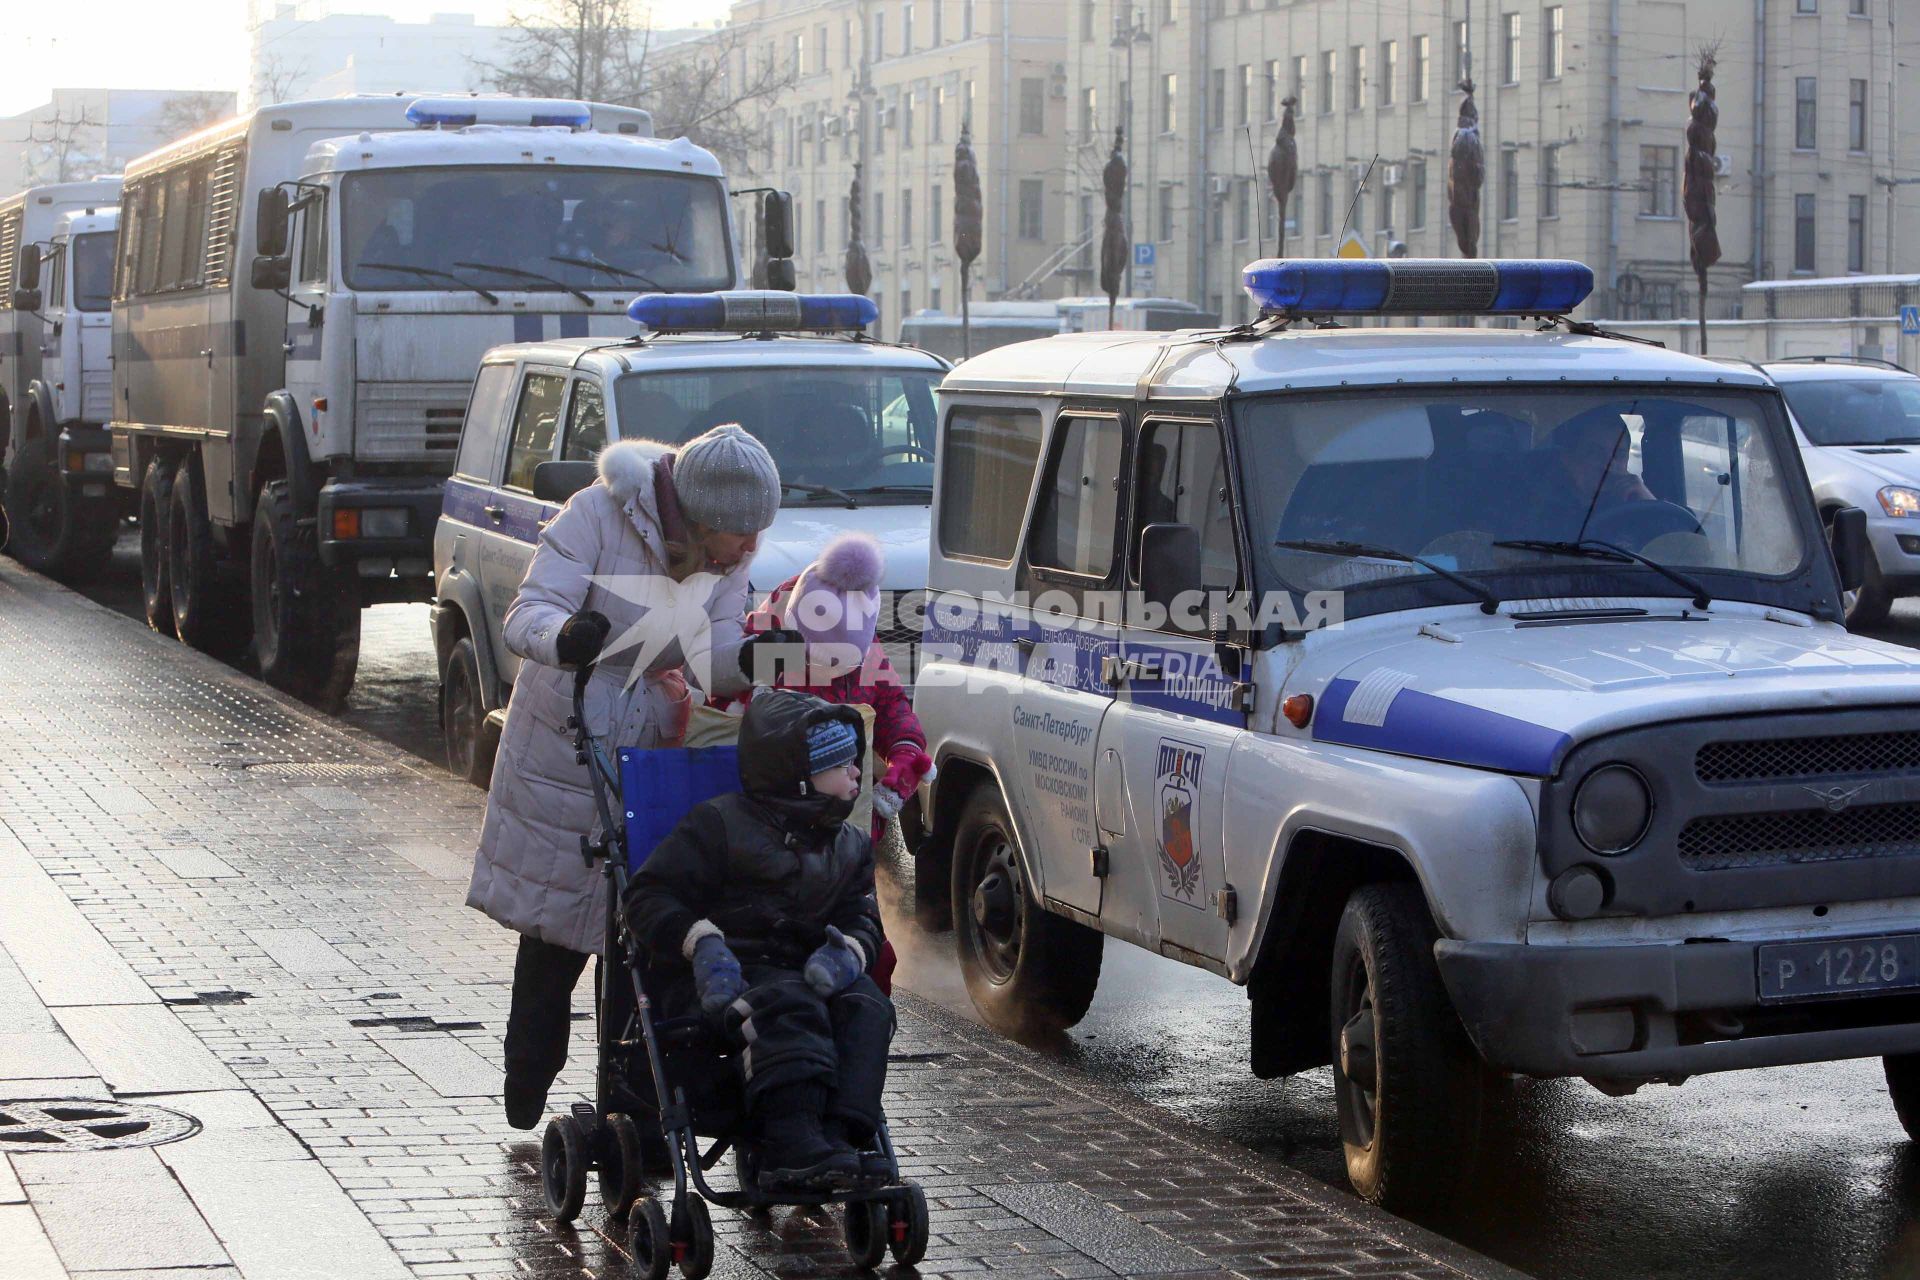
[[1611, 809], [1899, 500]]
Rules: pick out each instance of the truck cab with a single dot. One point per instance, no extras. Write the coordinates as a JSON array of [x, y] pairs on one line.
[[57, 245], [1478, 699], [849, 423]]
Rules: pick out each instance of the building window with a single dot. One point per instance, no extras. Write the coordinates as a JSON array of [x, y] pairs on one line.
[[1329, 67], [933, 220], [1856, 233], [1089, 116], [1166, 13], [1857, 8], [1509, 48], [1357, 77], [1387, 196], [1417, 194], [908, 101], [1086, 233], [906, 217], [820, 48], [1031, 195], [1803, 233], [1389, 70], [1169, 102], [1243, 103], [1216, 98], [1297, 80], [1163, 223], [1243, 210], [1856, 115], [879, 219], [937, 129], [1806, 117], [1217, 218], [1657, 168], [906, 301], [1420, 78], [1509, 183], [966, 19], [799, 66], [1033, 106], [1271, 106], [906, 29], [819, 226], [846, 42], [1297, 216], [879, 36], [1553, 42], [1462, 55], [1806, 6], [939, 31], [1325, 224], [1087, 8], [1550, 180]]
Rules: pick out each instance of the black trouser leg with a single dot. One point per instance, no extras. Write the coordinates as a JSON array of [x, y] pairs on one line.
[[863, 1025], [540, 1018]]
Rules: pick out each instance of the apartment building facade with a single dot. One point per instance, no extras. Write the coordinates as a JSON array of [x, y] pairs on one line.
[[888, 85], [1583, 106]]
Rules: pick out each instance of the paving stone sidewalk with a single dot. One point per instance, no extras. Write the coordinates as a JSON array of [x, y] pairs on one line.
[[219, 902]]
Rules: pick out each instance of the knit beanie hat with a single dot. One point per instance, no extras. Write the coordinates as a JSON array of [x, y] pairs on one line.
[[831, 743], [727, 481], [835, 602]]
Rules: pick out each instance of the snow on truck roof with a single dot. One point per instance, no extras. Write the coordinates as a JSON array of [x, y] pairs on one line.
[[485, 144], [707, 350]]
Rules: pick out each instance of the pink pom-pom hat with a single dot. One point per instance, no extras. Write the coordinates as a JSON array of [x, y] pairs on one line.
[[836, 599]]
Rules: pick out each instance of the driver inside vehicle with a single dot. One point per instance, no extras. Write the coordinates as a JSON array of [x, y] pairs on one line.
[[1586, 476]]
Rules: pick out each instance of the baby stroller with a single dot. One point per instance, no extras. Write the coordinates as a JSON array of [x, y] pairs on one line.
[[661, 1084]]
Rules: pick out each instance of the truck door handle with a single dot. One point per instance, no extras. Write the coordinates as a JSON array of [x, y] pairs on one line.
[[207, 355], [287, 347], [495, 514]]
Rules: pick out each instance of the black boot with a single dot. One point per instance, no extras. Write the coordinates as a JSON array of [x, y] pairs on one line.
[[526, 1103], [875, 1169], [796, 1152]]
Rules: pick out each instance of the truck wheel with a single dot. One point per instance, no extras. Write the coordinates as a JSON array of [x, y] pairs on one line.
[[156, 499], [463, 716], [1028, 971], [1903, 1082], [1408, 1085], [306, 616], [205, 612], [41, 508]]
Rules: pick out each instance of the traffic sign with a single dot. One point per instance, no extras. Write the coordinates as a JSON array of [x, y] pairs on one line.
[[1143, 282], [1910, 320], [1352, 247], [1143, 254]]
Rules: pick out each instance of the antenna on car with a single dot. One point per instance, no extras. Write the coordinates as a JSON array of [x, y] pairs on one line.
[[1355, 202]]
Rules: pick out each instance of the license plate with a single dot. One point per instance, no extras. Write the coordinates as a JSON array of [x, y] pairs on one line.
[[1841, 967]]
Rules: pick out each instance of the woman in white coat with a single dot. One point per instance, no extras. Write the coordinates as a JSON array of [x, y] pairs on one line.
[[661, 522]]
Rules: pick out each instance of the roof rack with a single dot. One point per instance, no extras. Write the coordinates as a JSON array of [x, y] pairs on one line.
[[1873, 360]]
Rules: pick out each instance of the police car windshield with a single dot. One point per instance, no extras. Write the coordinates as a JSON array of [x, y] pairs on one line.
[[1856, 410], [862, 430], [538, 229], [93, 271], [1508, 487]]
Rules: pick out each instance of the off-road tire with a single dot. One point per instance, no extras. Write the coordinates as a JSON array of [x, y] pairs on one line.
[[1410, 1154], [463, 716], [156, 586], [306, 615], [1043, 983], [1903, 1083], [207, 611]]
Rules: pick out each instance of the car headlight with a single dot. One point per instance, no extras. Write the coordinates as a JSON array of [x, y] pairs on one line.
[[1612, 808], [1899, 500]]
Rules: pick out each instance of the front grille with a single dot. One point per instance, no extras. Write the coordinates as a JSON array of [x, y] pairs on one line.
[[410, 421], [1762, 759], [1731, 841]]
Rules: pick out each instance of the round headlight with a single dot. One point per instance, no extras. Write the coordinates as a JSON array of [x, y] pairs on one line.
[[1611, 809]]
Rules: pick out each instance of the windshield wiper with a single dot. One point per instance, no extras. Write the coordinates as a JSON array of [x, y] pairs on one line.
[[892, 488], [1599, 549], [435, 273], [527, 275], [618, 273], [1489, 602], [822, 491]]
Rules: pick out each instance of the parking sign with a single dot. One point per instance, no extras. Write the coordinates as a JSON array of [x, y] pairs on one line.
[[1910, 320], [1143, 254]]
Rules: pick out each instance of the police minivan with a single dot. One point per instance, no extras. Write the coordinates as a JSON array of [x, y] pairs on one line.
[[1477, 698], [849, 422]]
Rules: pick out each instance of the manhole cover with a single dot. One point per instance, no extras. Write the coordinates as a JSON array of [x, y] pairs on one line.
[[88, 1124], [310, 769]]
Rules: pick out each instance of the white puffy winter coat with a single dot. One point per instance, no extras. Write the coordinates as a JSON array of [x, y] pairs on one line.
[[528, 873]]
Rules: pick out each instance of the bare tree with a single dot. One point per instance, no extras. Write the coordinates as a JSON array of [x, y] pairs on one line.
[[66, 146], [191, 112], [708, 90], [274, 79], [1697, 194], [1283, 166]]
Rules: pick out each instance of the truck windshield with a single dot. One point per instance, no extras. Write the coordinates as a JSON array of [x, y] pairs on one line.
[[1856, 410], [866, 432], [1549, 492], [621, 230], [93, 271]]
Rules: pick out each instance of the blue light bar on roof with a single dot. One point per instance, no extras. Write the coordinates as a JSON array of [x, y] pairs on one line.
[[1417, 286], [752, 311], [458, 113]]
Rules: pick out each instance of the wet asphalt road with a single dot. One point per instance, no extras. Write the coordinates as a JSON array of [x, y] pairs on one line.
[[1793, 1174]]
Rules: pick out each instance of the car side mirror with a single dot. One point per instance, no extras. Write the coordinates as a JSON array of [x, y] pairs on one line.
[[272, 272], [27, 270], [1169, 561], [1847, 534], [776, 224], [26, 299], [780, 275], [558, 481], [270, 222]]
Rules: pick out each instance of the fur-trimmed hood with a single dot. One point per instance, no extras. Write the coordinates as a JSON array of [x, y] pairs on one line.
[[626, 466]]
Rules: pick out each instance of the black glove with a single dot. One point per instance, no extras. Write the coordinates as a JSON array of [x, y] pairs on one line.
[[777, 647], [580, 639]]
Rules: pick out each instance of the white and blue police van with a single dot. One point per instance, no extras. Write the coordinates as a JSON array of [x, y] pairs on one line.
[[302, 297], [1477, 698], [849, 422]]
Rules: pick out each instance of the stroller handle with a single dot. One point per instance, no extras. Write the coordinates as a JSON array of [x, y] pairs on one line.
[[599, 767]]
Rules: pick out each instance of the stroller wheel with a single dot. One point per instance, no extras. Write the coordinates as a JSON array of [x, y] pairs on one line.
[[696, 1240], [621, 1167], [563, 1167], [908, 1226], [866, 1231], [648, 1242]]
